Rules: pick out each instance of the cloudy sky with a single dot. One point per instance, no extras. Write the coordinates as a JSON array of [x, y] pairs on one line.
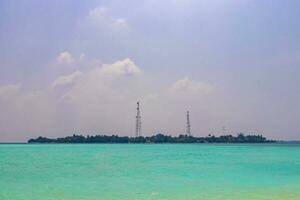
[[80, 66]]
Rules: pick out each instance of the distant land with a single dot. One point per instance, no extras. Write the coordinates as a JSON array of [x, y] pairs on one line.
[[158, 138]]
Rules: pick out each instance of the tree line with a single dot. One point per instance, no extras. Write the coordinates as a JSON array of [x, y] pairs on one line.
[[158, 138]]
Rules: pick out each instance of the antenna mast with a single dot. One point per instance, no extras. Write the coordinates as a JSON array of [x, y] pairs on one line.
[[138, 124], [188, 124]]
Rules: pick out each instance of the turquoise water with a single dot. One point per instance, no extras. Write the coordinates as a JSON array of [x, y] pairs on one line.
[[131, 171]]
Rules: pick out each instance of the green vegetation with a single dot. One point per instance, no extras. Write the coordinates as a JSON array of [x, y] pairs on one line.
[[159, 138]]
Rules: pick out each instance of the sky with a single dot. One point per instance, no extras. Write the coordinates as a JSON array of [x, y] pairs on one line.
[[78, 67]]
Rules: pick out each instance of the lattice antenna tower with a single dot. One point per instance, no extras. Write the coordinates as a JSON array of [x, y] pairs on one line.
[[138, 124], [188, 124]]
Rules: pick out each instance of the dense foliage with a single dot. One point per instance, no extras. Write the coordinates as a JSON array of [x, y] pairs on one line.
[[159, 138]]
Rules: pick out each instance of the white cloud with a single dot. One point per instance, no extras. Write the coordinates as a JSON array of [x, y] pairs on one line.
[[98, 12], [120, 23], [191, 86], [125, 67], [82, 57], [101, 17], [65, 58], [100, 83], [8, 90], [66, 80], [98, 78]]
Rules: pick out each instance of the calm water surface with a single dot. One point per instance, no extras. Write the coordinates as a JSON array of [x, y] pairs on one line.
[[140, 172]]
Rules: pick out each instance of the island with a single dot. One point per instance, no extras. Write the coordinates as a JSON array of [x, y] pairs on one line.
[[158, 138]]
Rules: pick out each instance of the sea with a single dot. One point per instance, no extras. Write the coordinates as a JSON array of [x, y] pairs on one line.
[[150, 172]]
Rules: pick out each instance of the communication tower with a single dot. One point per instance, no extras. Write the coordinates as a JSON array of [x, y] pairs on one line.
[[138, 124], [188, 124]]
